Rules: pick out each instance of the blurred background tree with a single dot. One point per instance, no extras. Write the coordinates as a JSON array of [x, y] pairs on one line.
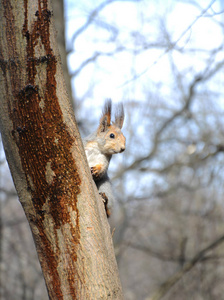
[[165, 61]]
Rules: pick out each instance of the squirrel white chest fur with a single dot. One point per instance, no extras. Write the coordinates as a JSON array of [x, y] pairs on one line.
[[96, 158]]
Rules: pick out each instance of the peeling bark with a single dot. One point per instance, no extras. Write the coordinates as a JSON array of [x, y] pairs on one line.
[[47, 161]]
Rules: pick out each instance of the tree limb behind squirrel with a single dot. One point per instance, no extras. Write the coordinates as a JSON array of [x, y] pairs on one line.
[[100, 146]]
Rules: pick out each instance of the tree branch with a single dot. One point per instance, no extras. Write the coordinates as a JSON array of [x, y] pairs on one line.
[[168, 284]]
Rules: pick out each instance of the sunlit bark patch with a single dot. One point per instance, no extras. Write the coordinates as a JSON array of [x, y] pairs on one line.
[[49, 173]]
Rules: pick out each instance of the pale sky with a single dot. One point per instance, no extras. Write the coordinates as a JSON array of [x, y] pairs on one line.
[[112, 76]]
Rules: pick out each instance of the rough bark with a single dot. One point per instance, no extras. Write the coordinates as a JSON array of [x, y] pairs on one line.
[[47, 161]]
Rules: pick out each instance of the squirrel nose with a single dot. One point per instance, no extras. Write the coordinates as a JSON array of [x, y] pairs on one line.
[[122, 149]]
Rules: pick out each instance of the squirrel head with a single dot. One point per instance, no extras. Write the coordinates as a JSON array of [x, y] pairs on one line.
[[109, 136]]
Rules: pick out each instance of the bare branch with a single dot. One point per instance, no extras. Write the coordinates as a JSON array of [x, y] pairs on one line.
[[188, 100], [168, 284], [92, 17], [92, 59], [171, 46]]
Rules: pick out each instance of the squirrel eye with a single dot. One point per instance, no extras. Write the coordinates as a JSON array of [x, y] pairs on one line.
[[112, 136]]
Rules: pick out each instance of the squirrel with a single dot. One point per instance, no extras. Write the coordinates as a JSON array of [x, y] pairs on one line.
[[99, 148]]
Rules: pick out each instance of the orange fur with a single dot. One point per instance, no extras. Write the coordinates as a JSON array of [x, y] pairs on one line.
[[97, 170]]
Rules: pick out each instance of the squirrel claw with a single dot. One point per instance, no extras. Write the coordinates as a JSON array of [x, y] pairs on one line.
[[93, 171], [105, 201], [96, 170]]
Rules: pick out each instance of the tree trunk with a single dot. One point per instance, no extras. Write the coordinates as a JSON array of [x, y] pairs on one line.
[[58, 9], [47, 160]]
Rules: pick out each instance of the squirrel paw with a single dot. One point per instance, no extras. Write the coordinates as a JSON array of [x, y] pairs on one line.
[[105, 200], [96, 170]]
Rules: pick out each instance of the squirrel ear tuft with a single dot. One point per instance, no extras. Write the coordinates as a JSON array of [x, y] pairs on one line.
[[103, 124], [107, 110], [119, 115], [106, 117]]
